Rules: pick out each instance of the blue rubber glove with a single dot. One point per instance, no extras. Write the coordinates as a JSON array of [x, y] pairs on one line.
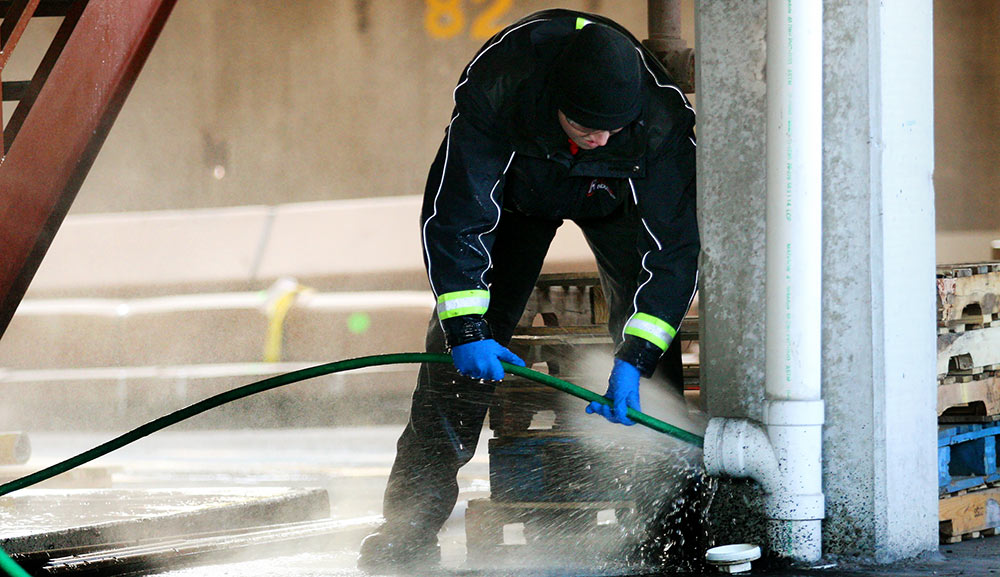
[[481, 359], [623, 392]]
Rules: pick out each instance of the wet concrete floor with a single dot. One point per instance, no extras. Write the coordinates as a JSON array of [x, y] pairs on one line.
[[352, 464]]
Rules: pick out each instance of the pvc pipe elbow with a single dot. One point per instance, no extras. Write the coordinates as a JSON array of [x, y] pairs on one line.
[[741, 448], [782, 458]]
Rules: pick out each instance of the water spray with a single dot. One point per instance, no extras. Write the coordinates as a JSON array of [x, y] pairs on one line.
[[293, 377], [318, 371]]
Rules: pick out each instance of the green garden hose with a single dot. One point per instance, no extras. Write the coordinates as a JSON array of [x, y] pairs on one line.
[[10, 567], [293, 377], [317, 371]]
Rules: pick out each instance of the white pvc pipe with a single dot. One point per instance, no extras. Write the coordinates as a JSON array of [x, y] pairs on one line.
[[794, 276], [794, 197], [785, 458]]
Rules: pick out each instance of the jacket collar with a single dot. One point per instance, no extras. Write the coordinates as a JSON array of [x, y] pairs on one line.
[[534, 130]]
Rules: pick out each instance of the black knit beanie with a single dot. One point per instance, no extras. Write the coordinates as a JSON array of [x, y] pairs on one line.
[[597, 81]]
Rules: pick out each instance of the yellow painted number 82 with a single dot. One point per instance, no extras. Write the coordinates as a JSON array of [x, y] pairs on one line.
[[446, 19]]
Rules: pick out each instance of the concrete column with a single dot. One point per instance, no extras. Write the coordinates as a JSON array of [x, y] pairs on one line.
[[877, 306], [904, 333]]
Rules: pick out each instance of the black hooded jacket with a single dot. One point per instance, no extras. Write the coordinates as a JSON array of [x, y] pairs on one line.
[[505, 148]]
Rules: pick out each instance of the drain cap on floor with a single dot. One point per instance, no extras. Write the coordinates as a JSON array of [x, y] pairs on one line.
[[733, 558]]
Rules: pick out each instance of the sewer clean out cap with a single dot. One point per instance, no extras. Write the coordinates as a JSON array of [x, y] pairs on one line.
[[733, 558]]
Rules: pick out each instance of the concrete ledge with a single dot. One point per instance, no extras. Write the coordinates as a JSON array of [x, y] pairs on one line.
[[136, 249], [35, 520], [348, 240]]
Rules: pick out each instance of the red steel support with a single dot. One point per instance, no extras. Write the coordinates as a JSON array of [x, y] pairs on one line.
[[15, 20], [66, 122], [50, 59]]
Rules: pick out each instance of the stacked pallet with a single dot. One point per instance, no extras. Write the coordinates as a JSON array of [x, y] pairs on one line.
[[968, 367], [554, 493]]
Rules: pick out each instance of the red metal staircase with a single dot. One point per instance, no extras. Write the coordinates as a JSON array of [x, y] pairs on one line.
[[62, 117]]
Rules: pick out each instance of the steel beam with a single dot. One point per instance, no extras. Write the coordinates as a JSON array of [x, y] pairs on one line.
[[15, 20], [45, 8], [41, 76], [61, 129]]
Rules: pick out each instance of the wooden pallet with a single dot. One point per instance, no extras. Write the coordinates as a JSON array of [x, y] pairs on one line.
[[947, 538], [590, 334], [967, 269], [972, 399], [574, 299], [541, 479], [566, 467], [521, 406], [967, 457], [972, 514], [573, 305], [968, 322], [968, 295], [582, 532], [562, 348], [968, 353]]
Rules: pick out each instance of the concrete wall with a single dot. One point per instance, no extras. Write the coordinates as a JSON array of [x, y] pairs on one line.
[[267, 102], [848, 388], [967, 120], [329, 99], [270, 106]]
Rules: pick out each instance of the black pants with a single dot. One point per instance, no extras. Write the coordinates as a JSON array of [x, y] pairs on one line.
[[448, 410]]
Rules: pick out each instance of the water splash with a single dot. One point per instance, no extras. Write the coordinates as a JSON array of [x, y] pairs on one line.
[[678, 532]]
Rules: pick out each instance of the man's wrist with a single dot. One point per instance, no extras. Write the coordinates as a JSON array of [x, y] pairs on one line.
[[640, 353], [465, 329]]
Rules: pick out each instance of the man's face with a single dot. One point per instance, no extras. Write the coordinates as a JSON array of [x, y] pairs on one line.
[[585, 138]]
